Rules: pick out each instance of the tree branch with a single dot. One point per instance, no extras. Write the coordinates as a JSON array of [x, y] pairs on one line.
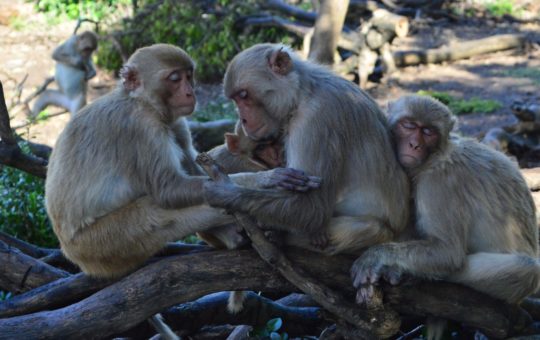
[[10, 152]]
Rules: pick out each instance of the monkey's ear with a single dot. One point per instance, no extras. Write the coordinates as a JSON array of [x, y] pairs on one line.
[[130, 77], [280, 62], [233, 143]]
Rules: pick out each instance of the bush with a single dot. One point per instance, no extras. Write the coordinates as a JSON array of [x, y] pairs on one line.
[[460, 106], [22, 207], [205, 29], [73, 9]]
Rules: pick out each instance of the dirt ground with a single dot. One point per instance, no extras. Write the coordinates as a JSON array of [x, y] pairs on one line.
[[26, 43]]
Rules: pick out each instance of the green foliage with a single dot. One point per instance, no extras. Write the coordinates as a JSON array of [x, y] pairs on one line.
[[523, 72], [4, 295], [499, 8], [205, 29], [22, 207], [461, 106], [73, 9], [269, 331], [216, 110]]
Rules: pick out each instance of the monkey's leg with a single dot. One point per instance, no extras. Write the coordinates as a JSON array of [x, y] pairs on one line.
[[50, 97], [124, 239], [76, 103], [509, 277], [348, 234]]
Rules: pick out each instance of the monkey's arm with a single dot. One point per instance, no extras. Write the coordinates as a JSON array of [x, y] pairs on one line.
[[306, 211], [67, 54], [442, 249], [89, 69]]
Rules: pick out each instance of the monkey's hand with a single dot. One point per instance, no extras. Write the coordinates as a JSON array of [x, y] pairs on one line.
[[90, 73], [366, 272], [290, 179], [319, 239]]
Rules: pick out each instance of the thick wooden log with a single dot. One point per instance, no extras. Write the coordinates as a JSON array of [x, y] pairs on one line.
[[63, 292], [25, 247], [460, 50], [385, 21], [184, 278], [20, 272], [59, 293], [257, 310]]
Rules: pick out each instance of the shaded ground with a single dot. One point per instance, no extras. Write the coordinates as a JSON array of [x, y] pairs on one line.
[[26, 43]]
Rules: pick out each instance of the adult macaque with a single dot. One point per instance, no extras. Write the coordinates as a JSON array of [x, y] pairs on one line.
[[73, 69], [475, 217], [122, 179], [329, 128]]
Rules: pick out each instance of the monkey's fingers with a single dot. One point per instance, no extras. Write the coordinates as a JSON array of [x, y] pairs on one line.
[[365, 294], [314, 182]]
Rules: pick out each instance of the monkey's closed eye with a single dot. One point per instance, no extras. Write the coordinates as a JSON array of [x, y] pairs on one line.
[[243, 94], [175, 76], [408, 124]]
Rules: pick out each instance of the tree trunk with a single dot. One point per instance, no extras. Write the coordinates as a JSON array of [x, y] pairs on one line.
[[328, 28]]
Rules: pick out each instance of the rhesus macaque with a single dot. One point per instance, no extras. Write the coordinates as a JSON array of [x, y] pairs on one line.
[[329, 128], [73, 69], [475, 217], [239, 154], [122, 179]]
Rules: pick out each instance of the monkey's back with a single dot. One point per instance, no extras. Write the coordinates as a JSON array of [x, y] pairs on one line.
[[86, 167], [480, 190]]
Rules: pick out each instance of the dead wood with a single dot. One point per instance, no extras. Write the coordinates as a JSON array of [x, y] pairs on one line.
[[25, 247], [385, 324], [177, 279], [460, 50], [10, 152], [20, 272], [59, 293], [526, 112], [62, 292], [532, 177], [189, 317]]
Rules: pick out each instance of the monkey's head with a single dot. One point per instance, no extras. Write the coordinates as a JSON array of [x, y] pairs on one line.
[[421, 127], [263, 81], [86, 43], [161, 76]]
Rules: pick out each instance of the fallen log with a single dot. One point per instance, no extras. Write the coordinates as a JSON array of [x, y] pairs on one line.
[[65, 291], [182, 278], [189, 317], [20, 272], [460, 50], [532, 177]]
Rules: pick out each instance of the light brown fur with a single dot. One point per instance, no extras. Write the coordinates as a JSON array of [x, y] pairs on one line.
[[329, 128], [475, 217], [122, 179]]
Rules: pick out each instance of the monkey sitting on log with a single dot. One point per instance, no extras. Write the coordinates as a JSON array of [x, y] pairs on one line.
[[475, 217], [329, 128], [73, 69], [122, 180]]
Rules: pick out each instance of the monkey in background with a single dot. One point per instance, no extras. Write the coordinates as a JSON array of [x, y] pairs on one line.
[[73, 69], [475, 217], [122, 179]]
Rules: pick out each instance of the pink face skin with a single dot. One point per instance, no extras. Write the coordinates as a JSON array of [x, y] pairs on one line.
[[180, 85], [254, 120], [415, 141]]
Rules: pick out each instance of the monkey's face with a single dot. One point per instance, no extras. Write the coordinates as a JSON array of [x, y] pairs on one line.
[[180, 95], [256, 121], [415, 142]]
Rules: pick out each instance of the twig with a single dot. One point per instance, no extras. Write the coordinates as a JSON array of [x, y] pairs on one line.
[[332, 301]]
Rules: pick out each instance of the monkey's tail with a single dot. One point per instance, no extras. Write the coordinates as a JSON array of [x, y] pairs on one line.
[[163, 329], [236, 302]]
